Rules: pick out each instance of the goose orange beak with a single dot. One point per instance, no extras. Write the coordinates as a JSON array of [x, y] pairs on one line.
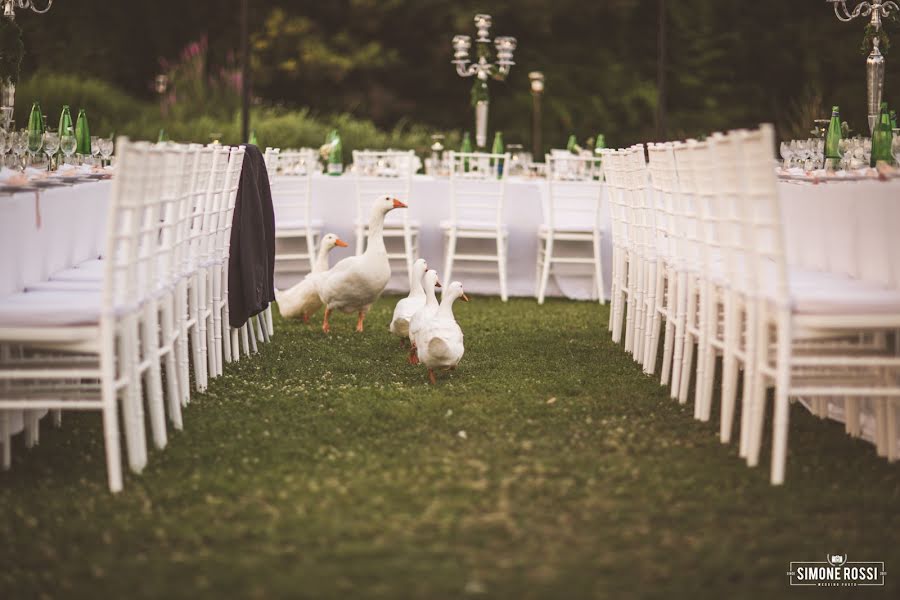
[[465, 298], [340, 243], [398, 204]]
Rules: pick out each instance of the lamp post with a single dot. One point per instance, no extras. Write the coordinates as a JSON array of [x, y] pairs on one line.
[[877, 10], [483, 69], [537, 91], [8, 85], [245, 71]]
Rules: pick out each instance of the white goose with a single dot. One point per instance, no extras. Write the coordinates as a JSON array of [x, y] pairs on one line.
[[355, 283], [408, 306], [440, 341], [424, 314], [302, 300]]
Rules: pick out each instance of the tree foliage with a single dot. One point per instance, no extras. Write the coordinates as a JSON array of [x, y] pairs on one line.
[[730, 64]]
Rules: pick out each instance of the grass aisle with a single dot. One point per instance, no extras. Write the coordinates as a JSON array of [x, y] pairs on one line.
[[547, 466]]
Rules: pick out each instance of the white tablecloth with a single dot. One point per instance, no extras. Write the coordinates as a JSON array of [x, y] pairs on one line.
[[852, 228], [334, 202]]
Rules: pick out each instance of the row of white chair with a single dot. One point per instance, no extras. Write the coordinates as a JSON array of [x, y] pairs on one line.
[[478, 185], [99, 336], [699, 253]]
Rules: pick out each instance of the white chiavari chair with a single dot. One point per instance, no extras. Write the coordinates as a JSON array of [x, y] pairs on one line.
[[101, 325], [663, 190], [225, 198], [794, 306], [296, 231], [571, 214], [477, 198], [614, 170], [388, 173]]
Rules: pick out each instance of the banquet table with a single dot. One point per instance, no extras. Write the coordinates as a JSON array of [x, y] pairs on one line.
[[334, 202], [850, 228]]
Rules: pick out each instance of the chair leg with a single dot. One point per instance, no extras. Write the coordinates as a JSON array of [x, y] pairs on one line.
[[598, 269], [729, 368], [689, 341], [218, 345], [709, 357], [150, 354], [546, 266], [538, 269], [198, 336], [111, 437], [235, 344], [181, 314], [781, 419], [5, 439], [245, 338], [263, 330], [750, 379], [631, 283], [652, 318], [132, 405], [680, 325], [666, 369], [173, 391], [758, 401], [269, 323], [450, 257], [201, 325], [501, 264]]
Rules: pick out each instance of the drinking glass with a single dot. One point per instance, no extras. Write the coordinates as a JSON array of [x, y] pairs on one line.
[[51, 145], [845, 149], [67, 144], [19, 147], [106, 148], [35, 143], [95, 149], [787, 154]]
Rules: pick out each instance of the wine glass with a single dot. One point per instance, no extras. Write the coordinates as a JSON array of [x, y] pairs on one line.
[[845, 149], [51, 145], [19, 147], [35, 144], [106, 148], [68, 144], [95, 149], [787, 153]]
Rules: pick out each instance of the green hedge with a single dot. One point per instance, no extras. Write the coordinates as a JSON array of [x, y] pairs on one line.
[[110, 110]]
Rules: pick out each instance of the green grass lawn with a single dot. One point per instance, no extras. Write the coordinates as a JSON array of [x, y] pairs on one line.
[[546, 466]]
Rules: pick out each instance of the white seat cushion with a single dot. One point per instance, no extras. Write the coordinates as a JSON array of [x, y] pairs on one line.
[[816, 293], [474, 225], [50, 309]]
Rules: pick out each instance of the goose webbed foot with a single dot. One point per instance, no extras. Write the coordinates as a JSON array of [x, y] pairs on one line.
[[359, 321], [413, 355], [431, 377]]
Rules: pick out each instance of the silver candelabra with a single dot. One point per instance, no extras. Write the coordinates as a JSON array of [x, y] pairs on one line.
[[482, 68], [8, 86], [876, 10]]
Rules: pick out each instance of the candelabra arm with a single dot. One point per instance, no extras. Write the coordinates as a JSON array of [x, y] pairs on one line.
[[840, 6], [46, 8], [887, 7]]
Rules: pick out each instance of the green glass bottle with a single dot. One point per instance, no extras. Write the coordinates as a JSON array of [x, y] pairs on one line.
[[36, 119], [82, 134], [65, 119], [253, 139], [336, 156], [893, 119], [599, 144], [572, 145], [882, 138], [466, 147], [498, 148], [162, 137], [833, 137]]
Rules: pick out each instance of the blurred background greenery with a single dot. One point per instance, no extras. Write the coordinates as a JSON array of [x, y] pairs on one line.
[[380, 72]]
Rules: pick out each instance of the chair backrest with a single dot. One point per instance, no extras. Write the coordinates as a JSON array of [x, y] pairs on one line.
[[664, 191], [230, 186], [216, 203], [198, 205], [762, 212], [614, 175], [575, 192], [689, 206], [291, 179], [179, 170], [383, 173], [477, 187], [637, 205], [134, 227]]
